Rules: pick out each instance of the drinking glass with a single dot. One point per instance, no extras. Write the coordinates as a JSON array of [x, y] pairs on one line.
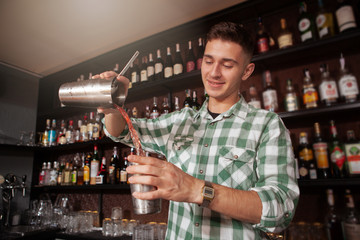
[[116, 213], [107, 227], [117, 228]]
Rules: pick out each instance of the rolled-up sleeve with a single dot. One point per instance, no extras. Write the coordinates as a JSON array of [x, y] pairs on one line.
[[277, 185]]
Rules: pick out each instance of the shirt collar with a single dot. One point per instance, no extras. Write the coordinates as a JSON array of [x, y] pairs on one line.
[[239, 109]]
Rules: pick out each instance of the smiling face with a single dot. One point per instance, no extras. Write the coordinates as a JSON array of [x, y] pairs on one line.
[[224, 65]]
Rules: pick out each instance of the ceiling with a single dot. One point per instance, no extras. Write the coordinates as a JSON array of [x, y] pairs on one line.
[[45, 36]]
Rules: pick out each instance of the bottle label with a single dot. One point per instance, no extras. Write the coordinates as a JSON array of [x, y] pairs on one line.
[[351, 230], [310, 97], [96, 131], [306, 154], [270, 100], [337, 156], [304, 24], [74, 177], [345, 18], [190, 66], [158, 68], [86, 174], [123, 176], [321, 20], [134, 77], [303, 172], [321, 155], [143, 76], [90, 129], [99, 179], [255, 104], [178, 68], [168, 72], [352, 151], [52, 136], [150, 71], [285, 40], [53, 176], [328, 90], [94, 168], [83, 133], [263, 45], [291, 103], [111, 170], [348, 87], [42, 177], [313, 174], [62, 139]]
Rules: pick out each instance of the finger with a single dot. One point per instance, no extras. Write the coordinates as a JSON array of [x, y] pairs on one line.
[[144, 179], [95, 76], [144, 169], [147, 195], [146, 160]]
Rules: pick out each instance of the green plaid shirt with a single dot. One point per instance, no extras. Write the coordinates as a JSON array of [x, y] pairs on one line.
[[244, 148]]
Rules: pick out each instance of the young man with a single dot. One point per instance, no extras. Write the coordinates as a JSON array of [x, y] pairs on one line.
[[241, 156]]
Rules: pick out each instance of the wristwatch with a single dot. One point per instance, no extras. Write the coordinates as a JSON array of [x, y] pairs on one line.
[[208, 194]]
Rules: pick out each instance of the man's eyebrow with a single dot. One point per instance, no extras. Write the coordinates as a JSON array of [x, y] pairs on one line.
[[223, 59]]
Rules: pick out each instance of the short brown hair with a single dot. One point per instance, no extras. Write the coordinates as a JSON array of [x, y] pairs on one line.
[[233, 32]]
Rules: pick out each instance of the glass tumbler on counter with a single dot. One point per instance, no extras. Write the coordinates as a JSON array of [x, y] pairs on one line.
[[107, 227]]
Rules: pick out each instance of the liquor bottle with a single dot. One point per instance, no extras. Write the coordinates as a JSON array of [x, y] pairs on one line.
[[190, 59], [321, 154], [351, 221], [306, 24], [123, 173], [66, 175], [83, 130], [269, 94], [96, 127], [147, 112], [74, 175], [337, 154], [45, 136], [70, 132], [155, 111], [168, 66], [310, 94], [165, 106], [59, 179], [42, 174], [352, 152], [80, 174], [101, 177], [90, 126], [159, 66], [291, 99], [178, 62], [200, 54], [94, 166], [324, 21], [135, 73], [306, 157], [77, 135], [332, 219], [187, 101], [285, 38], [61, 139], [47, 174], [54, 174], [345, 16], [150, 69], [254, 98], [87, 169], [52, 133], [143, 70], [194, 103], [327, 88], [176, 104], [348, 87], [114, 167], [262, 38]]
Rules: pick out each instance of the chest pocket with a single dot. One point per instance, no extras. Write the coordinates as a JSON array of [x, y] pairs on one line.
[[236, 167], [182, 147]]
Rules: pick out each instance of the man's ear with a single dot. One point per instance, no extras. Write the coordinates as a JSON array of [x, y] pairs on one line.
[[248, 71]]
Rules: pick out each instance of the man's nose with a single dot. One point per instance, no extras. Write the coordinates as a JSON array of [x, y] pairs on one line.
[[215, 71]]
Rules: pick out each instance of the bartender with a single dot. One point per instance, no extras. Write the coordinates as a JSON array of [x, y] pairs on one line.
[[229, 172]]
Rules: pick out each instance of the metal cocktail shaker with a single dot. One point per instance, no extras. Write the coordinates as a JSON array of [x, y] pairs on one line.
[[93, 93]]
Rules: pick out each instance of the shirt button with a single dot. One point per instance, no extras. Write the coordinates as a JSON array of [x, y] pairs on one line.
[[201, 171], [179, 148], [197, 224], [206, 145], [236, 156], [286, 215]]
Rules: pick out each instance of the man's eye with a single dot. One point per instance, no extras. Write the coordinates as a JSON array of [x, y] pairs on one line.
[[228, 66]]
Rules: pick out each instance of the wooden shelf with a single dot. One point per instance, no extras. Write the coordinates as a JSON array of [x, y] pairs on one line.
[[83, 187], [341, 182]]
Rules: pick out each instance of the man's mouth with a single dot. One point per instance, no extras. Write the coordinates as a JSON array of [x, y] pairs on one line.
[[213, 83]]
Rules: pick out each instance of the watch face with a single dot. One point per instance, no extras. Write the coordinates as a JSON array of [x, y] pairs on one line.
[[208, 192]]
